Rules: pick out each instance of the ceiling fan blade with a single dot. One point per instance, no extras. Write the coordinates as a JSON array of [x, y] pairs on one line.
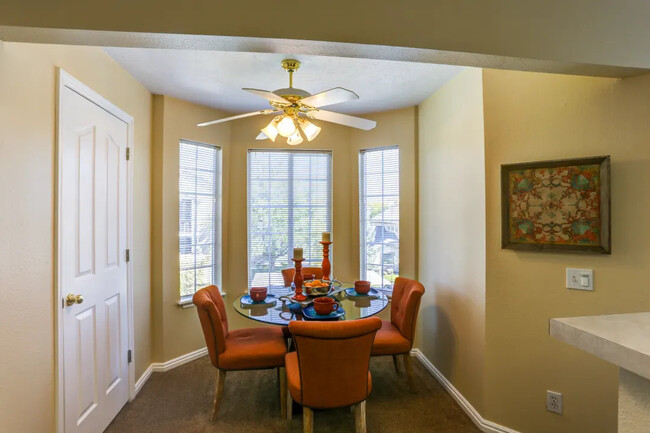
[[239, 116], [344, 119], [330, 97], [269, 96]]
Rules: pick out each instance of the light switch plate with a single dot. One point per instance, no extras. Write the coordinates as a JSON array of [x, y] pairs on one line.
[[579, 279]]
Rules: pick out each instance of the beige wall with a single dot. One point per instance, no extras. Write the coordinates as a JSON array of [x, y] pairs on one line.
[[396, 127], [177, 330], [451, 329], [531, 117], [581, 31], [27, 162]]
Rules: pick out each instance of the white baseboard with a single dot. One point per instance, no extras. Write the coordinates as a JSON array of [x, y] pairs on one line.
[[176, 362], [142, 380], [481, 423], [159, 367]]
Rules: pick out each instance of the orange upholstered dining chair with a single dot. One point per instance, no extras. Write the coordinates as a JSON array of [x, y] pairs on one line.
[[396, 336], [330, 367], [240, 349], [287, 274]]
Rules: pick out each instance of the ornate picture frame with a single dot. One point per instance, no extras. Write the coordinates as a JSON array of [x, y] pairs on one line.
[[559, 205]]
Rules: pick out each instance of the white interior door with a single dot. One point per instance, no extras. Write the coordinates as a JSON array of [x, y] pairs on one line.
[[92, 262]]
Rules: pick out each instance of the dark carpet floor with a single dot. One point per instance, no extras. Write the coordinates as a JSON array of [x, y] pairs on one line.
[[180, 400]]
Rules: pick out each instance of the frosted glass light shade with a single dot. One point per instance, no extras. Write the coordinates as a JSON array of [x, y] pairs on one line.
[[270, 130], [295, 139], [286, 126], [310, 130]]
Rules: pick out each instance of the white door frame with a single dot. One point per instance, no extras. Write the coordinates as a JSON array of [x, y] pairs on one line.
[[66, 80]]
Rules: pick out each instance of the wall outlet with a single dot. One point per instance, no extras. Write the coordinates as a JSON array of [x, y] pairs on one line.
[[579, 279], [554, 401]]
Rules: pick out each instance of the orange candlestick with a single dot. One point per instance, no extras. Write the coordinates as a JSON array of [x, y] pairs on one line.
[[298, 280], [326, 266]]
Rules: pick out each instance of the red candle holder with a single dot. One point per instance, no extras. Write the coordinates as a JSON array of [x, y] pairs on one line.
[[326, 266], [298, 280]]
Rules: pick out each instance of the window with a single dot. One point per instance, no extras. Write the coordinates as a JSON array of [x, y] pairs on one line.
[[379, 215], [289, 205], [199, 216]]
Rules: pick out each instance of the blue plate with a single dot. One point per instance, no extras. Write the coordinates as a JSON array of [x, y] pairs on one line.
[[352, 292], [311, 314], [246, 300]]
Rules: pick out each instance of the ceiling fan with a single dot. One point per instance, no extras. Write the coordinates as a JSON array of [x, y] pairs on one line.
[[293, 107]]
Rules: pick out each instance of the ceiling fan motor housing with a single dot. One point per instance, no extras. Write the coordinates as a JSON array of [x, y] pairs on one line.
[[292, 94]]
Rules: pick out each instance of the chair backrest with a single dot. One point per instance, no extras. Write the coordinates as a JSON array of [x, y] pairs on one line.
[[287, 274], [214, 321], [333, 359], [405, 305]]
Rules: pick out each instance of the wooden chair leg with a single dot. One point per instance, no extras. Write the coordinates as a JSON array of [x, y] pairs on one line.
[[360, 417], [282, 377], [289, 403], [307, 420], [396, 363], [218, 392], [409, 370]]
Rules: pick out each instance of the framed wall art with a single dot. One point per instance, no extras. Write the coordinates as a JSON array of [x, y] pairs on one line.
[[561, 205]]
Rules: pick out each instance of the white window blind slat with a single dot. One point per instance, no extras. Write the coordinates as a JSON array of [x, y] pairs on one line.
[[289, 205], [199, 231], [379, 215]]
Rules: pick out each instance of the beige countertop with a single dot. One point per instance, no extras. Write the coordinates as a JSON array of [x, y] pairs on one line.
[[622, 339]]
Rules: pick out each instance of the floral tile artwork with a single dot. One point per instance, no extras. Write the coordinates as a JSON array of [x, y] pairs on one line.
[[557, 205]]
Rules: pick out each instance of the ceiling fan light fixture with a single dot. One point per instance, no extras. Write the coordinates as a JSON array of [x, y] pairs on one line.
[[270, 130], [287, 126], [295, 139], [311, 131]]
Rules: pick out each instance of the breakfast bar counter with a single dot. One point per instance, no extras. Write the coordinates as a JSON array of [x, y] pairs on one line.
[[623, 340]]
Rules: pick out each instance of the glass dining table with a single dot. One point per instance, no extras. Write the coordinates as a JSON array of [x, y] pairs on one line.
[[278, 311]]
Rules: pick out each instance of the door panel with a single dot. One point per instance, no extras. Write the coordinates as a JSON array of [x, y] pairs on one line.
[[92, 262], [112, 202], [113, 347], [86, 194], [87, 354]]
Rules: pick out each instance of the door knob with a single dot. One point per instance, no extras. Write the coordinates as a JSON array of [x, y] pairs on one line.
[[71, 299]]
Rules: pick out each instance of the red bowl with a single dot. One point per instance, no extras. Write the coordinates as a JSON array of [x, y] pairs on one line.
[[325, 306], [362, 287], [258, 294]]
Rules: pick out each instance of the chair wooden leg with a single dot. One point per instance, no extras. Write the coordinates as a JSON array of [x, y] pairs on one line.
[[289, 403], [360, 417], [218, 392], [307, 420], [409, 370], [396, 363], [283, 391]]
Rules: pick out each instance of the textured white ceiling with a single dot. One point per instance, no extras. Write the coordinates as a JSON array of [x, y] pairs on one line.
[[215, 78]]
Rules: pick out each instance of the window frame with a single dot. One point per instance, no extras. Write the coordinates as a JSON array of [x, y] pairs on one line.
[[217, 227], [329, 203], [363, 255]]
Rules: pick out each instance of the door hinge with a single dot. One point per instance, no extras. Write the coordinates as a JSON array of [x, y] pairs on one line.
[[128, 255], [128, 153], [128, 355]]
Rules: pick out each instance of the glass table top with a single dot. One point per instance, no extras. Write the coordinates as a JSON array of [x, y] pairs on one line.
[[278, 313]]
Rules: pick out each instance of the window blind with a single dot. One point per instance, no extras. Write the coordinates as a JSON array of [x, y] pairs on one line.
[[379, 215], [199, 230], [289, 205]]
